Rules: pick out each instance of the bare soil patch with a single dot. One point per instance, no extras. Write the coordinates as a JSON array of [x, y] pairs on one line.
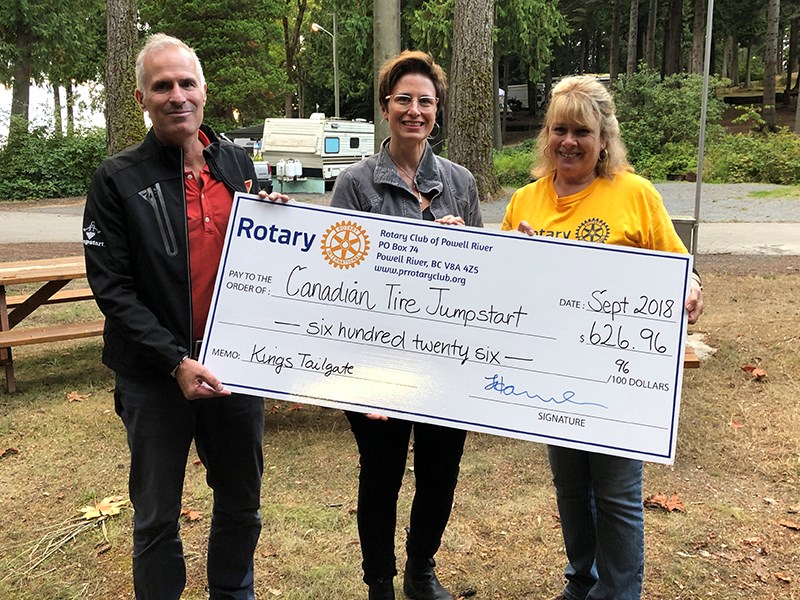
[[737, 474]]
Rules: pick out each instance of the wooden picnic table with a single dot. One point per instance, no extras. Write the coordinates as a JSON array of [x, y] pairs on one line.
[[54, 274]]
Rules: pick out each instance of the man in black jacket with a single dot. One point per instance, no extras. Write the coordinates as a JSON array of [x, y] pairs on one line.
[[154, 226]]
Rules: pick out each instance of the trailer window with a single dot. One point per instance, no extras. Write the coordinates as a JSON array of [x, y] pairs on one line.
[[354, 143], [331, 145]]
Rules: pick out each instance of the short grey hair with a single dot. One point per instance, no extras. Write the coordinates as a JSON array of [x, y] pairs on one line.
[[159, 41]]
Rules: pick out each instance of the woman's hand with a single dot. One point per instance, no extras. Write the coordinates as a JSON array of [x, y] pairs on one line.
[[525, 227], [694, 303], [376, 417], [450, 220], [274, 197]]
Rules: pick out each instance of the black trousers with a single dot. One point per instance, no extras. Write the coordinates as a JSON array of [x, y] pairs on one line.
[[228, 432], [383, 449]]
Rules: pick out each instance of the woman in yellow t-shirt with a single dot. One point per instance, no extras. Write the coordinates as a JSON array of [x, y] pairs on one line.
[[587, 191]]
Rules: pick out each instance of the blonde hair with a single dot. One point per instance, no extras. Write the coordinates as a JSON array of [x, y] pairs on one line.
[[157, 42], [583, 99]]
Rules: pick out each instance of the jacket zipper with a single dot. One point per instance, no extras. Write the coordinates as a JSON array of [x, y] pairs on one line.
[[190, 337]]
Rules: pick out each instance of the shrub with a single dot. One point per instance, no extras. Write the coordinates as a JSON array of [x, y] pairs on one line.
[[513, 165], [675, 158], [41, 165], [755, 157], [653, 113]]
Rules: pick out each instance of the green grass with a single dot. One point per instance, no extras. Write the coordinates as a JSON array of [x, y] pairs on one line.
[[784, 192], [504, 538]]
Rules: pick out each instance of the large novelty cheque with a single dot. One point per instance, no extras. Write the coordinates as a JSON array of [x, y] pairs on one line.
[[568, 343]]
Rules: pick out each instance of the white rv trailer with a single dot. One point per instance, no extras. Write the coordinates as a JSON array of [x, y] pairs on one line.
[[323, 146]]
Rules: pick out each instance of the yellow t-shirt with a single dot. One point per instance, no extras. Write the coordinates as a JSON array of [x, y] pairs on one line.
[[626, 211]]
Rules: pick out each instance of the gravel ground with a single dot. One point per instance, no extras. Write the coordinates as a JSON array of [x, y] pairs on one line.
[[719, 202]]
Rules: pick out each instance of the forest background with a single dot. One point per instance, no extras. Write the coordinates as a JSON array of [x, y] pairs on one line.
[[262, 59]]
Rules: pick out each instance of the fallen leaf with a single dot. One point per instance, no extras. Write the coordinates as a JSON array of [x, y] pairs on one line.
[[671, 504], [782, 577], [74, 396], [191, 514], [8, 452], [197, 461], [751, 541], [295, 407], [791, 525], [102, 548], [108, 506], [735, 424], [275, 591], [756, 372]]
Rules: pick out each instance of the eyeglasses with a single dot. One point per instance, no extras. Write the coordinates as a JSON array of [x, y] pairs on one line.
[[404, 100]]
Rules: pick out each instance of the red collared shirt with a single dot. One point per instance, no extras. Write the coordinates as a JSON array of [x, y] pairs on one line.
[[208, 208]]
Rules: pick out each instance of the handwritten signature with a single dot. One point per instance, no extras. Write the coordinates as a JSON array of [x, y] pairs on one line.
[[497, 384]]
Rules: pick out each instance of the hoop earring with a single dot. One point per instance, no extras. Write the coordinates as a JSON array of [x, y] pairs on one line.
[[603, 155], [431, 135]]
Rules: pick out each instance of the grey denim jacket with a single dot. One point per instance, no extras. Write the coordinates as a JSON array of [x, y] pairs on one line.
[[374, 185]]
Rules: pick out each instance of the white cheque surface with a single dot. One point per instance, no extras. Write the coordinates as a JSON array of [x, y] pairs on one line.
[[572, 344]]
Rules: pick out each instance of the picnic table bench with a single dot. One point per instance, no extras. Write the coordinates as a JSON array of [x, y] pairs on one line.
[[54, 274]]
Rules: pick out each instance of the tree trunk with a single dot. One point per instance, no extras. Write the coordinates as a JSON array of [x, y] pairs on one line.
[[791, 65], [58, 128], [497, 131], [727, 50], [770, 64], [650, 39], [584, 64], [472, 94], [548, 86], [797, 114], [747, 64], [633, 35], [506, 69], [735, 79], [386, 43], [672, 41], [69, 88], [698, 29], [20, 90], [613, 49], [124, 123], [291, 43]]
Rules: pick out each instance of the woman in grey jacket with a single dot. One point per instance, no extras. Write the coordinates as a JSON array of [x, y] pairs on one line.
[[407, 179]]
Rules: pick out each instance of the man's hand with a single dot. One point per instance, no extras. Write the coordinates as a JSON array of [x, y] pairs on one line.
[[274, 196], [196, 381]]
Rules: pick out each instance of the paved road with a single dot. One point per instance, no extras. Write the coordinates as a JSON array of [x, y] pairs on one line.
[[734, 219]]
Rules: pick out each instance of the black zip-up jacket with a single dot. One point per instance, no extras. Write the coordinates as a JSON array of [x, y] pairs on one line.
[[136, 245]]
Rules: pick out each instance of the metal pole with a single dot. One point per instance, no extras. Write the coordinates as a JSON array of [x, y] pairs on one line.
[[335, 72], [702, 141]]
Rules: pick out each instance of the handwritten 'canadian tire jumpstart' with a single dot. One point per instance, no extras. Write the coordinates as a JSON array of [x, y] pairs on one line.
[[553, 341]]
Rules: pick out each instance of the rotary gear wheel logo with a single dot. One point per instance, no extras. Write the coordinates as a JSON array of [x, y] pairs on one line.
[[345, 244], [592, 230]]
